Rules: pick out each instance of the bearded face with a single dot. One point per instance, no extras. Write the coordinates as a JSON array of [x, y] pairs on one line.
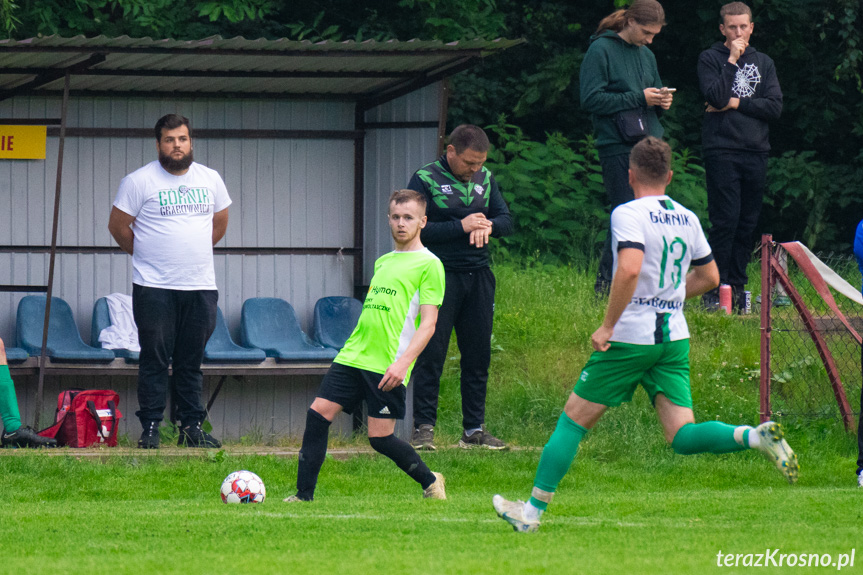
[[175, 150], [176, 162]]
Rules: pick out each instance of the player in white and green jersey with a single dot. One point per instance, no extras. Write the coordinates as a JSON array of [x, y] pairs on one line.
[[397, 321], [661, 257]]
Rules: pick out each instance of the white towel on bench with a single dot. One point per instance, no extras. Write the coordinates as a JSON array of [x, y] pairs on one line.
[[122, 333]]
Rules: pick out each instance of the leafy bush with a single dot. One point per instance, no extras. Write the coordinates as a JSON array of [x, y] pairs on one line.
[[688, 186], [554, 192], [556, 195], [813, 202]]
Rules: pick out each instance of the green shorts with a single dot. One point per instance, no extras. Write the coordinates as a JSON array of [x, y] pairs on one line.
[[610, 377]]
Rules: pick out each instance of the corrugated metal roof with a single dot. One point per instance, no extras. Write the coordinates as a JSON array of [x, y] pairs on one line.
[[234, 66]]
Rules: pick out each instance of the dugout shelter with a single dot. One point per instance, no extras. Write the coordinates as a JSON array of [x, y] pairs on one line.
[[310, 139]]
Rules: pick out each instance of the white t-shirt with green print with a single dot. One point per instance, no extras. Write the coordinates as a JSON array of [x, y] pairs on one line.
[[173, 225], [672, 239]]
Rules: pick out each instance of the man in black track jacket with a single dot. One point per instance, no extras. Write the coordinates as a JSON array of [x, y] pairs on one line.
[[465, 209], [743, 94]]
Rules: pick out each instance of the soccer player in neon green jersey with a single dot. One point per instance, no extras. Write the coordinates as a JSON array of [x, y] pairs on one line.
[[396, 323], [644, 340]]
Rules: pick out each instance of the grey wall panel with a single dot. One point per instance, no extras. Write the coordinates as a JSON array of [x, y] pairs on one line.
[[419, 106], [392, 156], [93, 168]]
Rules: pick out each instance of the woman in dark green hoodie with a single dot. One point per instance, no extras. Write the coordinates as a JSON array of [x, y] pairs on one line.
[[621, 89]]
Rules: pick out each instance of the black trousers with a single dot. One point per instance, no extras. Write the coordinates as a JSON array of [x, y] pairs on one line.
[[615, 177], [173, 327], [468, 306], [735, 189]]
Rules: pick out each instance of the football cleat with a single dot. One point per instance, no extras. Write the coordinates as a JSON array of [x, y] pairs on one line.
[[26, 437], [774, 447], [437, 489], [513, 513]]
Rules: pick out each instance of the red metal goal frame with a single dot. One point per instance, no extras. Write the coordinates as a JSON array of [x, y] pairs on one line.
[[771, 273]]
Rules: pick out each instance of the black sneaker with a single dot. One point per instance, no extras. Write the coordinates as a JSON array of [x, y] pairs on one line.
[[26, 437], [150, 436], [423, 437], [194, 436], [710, 300], [481, 438]]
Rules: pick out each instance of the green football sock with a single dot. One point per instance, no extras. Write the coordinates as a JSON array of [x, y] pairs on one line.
[[707, 437], [8, 401], [556, 458]]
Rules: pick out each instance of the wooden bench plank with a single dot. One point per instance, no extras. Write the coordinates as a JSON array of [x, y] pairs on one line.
[[119, 367]]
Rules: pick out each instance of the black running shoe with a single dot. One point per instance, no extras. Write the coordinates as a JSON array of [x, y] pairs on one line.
[[26, 437], [150, 436], [194, 436], [481, 438], [710, 300]]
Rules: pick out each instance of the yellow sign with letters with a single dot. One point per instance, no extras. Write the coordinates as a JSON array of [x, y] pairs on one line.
[[23, 142]]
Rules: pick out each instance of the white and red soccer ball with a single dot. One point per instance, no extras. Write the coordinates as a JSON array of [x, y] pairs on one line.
[[243, 487]]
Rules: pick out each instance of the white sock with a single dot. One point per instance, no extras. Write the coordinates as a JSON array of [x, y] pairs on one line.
[[754, 439], [739, 431], [532, 513], [470, 432]]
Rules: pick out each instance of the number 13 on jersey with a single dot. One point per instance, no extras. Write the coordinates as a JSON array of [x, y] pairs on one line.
[[674, 250]]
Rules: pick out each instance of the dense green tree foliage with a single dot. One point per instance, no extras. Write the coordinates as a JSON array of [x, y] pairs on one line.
[[817, 46]]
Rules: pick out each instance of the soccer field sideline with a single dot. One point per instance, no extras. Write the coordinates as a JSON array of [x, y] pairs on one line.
[[341, 452]]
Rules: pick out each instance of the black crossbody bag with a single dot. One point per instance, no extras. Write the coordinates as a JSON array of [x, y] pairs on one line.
[[632, 124]]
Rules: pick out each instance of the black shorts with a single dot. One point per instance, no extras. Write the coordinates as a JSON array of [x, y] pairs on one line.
[[349, 386]]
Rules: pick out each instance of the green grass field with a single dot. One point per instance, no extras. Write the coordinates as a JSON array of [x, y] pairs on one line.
[[634, 510], [630, 505]]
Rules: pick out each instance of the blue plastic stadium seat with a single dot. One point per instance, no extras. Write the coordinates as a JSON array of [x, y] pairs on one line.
[[102, 320], [16, 355], [64, 340], [334, 320], [270, 324], [222, 349]]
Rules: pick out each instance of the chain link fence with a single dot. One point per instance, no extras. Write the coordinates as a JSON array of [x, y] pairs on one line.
[[800, 385]]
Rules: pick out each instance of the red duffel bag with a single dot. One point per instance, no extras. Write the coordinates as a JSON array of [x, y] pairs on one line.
[[86, 417]]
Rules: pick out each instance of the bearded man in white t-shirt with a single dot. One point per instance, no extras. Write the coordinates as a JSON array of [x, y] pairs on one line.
[[168, 215]]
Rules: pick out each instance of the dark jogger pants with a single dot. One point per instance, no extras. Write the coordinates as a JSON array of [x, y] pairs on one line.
[[735, 188], [468, 305], [172, 324]]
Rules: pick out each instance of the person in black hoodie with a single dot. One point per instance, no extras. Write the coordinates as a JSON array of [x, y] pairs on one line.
[[465, 209], [743, 94], [620, 87]]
